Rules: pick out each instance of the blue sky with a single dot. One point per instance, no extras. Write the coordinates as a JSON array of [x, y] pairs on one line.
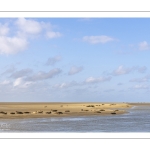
[[74, 59]]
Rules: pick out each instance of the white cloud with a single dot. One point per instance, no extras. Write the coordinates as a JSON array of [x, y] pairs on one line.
[[14, 37], [143, 79], [5, 82], [29, 26], [144, 46], [139, 80], [122, 70], [97, 80], [52, 34], [74, 70], [62, 85], [4, 30], [98, 39], [44, 75], [141, 87], [65, 85], [53, 60], [90, 80], [17, 82], [21, 73], [12, 45], [9, 70], [20, 83]]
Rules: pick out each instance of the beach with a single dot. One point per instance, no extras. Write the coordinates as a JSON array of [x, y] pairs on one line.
[[20, 110]]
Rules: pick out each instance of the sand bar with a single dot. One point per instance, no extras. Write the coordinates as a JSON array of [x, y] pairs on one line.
[[45, 110]]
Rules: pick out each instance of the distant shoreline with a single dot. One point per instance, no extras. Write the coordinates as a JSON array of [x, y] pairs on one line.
[[138, 104]]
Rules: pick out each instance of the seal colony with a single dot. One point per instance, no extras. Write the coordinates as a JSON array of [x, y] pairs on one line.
[[44, 110]]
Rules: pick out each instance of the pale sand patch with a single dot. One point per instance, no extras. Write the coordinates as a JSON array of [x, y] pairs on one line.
[[44, 110]]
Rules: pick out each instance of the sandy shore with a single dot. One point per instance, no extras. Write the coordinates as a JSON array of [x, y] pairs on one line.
[[44, 110]]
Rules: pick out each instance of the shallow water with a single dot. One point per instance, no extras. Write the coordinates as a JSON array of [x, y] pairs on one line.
[[137, 120]]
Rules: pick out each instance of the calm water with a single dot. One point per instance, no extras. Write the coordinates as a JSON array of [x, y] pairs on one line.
[[137, 120]]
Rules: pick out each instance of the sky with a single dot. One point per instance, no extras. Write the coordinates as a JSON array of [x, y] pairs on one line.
[[74, 59]]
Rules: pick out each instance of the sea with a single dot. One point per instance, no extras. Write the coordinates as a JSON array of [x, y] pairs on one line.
[[136, 120]]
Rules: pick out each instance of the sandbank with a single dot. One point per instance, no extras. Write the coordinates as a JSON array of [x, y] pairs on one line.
[[45, 110]]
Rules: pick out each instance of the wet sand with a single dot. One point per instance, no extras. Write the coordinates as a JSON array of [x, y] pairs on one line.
[[45, 110]]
